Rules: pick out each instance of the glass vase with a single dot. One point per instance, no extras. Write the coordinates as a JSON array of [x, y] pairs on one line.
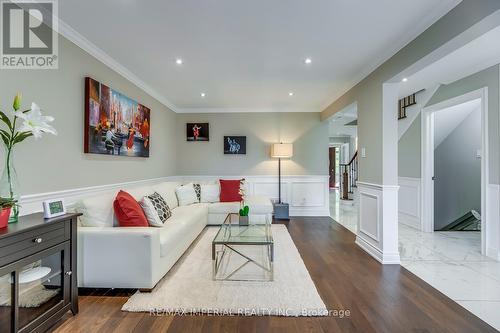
[[9, 183]]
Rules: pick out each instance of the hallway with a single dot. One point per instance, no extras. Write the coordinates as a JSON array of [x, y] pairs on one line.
[[344, 212], [451, 262]]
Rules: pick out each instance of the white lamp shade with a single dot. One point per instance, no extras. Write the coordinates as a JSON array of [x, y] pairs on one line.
[[282, 150]]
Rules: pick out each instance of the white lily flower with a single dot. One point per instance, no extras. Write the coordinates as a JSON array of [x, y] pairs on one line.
[[35, 122]]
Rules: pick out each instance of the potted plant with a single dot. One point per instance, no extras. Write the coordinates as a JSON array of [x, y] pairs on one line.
[[18, 126], [244, 210], [6, 205]]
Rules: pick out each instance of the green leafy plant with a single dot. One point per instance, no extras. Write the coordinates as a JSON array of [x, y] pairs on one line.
[[242, 192], [7, 203], [244, 211]]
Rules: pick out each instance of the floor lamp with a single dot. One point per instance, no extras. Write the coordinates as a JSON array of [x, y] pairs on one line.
[[279, 151]]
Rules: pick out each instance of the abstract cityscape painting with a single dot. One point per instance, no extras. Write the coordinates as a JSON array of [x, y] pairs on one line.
[[114, 123], [197, 132], [235, 145]]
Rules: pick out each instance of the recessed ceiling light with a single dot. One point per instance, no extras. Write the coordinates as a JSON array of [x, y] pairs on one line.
[[307, 61], [178, 61], [203, 94], [290, 93], [405, 79]]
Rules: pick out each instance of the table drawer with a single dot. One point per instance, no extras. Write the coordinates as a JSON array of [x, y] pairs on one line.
[[23, 244]]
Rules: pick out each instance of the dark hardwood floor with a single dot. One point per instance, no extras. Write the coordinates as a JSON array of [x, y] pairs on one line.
[[380, 298]]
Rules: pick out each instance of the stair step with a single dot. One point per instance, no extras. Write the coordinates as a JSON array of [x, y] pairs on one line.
[[463, 223]]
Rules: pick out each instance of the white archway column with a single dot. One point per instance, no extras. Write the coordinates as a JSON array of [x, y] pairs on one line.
[[378, 203]]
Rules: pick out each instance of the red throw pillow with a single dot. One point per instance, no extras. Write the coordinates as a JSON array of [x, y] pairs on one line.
[[128, 212], [229, 190]]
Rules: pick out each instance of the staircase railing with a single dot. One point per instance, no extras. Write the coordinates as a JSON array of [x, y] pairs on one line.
[[349, 177]]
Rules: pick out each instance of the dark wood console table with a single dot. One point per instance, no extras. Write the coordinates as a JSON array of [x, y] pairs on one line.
[[38, 278]]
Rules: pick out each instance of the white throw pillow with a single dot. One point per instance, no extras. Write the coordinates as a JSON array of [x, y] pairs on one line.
[[186, 195], [156, 209], [97, 210], [210, 193], [167, 191]]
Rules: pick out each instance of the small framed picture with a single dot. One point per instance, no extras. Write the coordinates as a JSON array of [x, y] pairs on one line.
[[197, 132], [236, 145], [53, 208]]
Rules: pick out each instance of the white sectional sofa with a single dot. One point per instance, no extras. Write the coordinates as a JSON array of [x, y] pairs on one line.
[[110, 256]]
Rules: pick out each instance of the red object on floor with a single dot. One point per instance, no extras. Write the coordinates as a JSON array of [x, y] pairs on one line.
[[128, 211], [229, 190], [4, 217]]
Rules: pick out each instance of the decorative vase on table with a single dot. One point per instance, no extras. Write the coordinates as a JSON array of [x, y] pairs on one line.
[[15, 127], [9, 184]]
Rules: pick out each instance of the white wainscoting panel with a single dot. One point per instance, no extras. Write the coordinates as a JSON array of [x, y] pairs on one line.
[[307, 195], [493, 215], [409, 202], [369, 213], [378, 227], [32, 203]]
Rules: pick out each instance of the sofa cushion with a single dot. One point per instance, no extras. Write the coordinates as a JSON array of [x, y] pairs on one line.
[[224, 207], [229, 190], [97, 211], [139, 192], [197, 190], [184, 220], [167, 191], [186, 194], [156, 209], [209, 193], [128, 211]]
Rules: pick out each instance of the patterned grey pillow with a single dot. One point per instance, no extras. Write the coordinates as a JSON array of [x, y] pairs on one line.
[[156, 209], [197, 189]]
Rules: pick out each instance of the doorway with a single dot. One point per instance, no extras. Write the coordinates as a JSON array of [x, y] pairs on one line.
[[447, 191], [332, 166], [457, 167]]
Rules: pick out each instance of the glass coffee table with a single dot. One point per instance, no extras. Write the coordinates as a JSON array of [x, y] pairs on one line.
[[236, 246]]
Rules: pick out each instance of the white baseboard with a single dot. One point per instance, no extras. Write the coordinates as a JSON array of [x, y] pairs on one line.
[[383, 258], [308, 195]]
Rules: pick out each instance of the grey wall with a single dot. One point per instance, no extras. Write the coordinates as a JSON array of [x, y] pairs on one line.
[[305, 130], [410, 142], [457, 188], [487, 78], [368, 93], [409, 151], [58, 162]]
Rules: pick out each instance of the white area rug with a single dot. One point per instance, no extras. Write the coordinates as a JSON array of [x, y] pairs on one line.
[[188, 287]]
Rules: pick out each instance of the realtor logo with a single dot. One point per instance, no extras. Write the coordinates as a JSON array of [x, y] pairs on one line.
[[28, 35]]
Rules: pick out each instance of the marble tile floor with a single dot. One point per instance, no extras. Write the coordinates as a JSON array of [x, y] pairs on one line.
[[449, 261], [344, 212]]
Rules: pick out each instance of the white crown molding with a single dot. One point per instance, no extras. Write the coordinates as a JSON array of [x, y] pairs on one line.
[[245, 110], [79, 40]]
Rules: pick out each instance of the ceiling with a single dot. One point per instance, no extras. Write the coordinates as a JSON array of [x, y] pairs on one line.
[[478, 54], [249, 55], [446, 120]]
